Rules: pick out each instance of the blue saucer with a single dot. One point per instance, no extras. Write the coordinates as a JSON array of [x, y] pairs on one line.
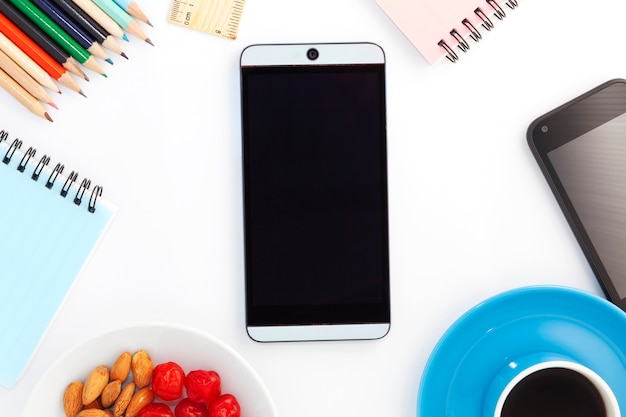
[[480, 343]]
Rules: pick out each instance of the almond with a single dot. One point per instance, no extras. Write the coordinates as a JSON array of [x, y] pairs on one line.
[[142, 398], [110, 393], [142, 367], [121, 367], [73, 399], [92, 412], [123, 399], [94, 404], [95, 383]]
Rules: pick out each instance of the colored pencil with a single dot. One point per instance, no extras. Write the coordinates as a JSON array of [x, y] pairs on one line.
[[37, 54], [59, 35], [133, 9], [23, 96], [24, 79], [72, 28], [123, 19], [27, 63], [101, 17], [40, 38], [90, 25]]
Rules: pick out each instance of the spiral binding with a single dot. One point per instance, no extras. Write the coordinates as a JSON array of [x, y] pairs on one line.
[[475, 35], [58, 170]]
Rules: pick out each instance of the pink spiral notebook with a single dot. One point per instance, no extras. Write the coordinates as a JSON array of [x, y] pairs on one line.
[[443, 28]]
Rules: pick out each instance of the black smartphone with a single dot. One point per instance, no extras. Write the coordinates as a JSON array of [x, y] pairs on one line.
[[581, 149], [315, 192]]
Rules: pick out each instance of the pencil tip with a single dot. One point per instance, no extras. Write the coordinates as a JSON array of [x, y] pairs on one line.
[[48, 116], [149, 23], [52, 103], [86, 78], [124, 55], [81, 93], [109, 60], [149, 41], [104, 75], [125, 38]]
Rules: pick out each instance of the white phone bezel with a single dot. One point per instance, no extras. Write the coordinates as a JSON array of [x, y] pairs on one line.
[[296, 54], [318, 332]]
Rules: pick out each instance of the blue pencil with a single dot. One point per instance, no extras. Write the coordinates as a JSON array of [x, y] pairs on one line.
[[84, 39]]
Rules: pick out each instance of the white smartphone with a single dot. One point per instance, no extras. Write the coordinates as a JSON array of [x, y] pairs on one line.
[[315, 192]]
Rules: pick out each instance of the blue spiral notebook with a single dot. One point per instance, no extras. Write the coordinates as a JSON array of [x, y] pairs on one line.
[[50, 223]]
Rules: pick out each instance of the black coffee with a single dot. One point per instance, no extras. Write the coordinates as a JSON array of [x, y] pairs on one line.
[[554, 392]]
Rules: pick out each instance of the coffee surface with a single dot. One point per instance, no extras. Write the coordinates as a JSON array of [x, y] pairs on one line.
[[554, 392]]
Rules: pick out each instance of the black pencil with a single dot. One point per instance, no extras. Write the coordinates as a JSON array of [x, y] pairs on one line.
[[90, 25], [41, 38]]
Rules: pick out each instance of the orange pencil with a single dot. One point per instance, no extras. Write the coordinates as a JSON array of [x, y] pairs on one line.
[[23, 96], [37, 54]]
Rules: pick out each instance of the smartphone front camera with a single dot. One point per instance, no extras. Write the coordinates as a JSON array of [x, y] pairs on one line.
[[544, 129], [312, 54]]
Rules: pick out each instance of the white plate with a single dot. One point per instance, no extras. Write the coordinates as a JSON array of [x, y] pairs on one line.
[[190, 348]]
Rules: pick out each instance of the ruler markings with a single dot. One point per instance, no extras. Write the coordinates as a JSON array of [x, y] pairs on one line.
[[217, 17]]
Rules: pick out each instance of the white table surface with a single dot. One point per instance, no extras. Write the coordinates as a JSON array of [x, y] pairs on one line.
[[470, 214]]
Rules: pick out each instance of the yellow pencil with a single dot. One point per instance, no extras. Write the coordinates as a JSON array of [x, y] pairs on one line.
[[24, 79], [23, 96], [27, 64]]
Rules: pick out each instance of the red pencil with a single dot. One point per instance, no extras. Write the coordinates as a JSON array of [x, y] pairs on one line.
[[37, 54]]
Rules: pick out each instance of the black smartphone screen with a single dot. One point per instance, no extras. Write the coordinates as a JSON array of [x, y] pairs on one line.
[[582, 149], [315, 194]]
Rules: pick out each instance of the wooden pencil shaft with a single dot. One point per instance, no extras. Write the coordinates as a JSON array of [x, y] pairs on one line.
[[23, 78], [23, 96], [67, 80]]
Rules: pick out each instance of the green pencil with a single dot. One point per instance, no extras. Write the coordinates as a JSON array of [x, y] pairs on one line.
[[123, 19], [59, 35]]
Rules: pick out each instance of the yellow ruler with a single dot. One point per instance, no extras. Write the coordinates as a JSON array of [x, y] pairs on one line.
[[217, 17]]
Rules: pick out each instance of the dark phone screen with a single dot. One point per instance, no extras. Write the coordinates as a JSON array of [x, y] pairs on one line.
[[581, 147], [315, 194], [592, 170]]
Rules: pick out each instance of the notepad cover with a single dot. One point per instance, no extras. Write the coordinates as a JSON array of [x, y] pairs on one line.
[[45, 241], [427, 22]]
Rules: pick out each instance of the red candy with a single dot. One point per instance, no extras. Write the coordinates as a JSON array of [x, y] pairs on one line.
[[188, 408], [203, 386], [225, 406], [168, 381], [156, 410], [197, 394]]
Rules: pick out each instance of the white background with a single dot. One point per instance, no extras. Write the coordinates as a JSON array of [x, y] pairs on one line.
[[470, 214]]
